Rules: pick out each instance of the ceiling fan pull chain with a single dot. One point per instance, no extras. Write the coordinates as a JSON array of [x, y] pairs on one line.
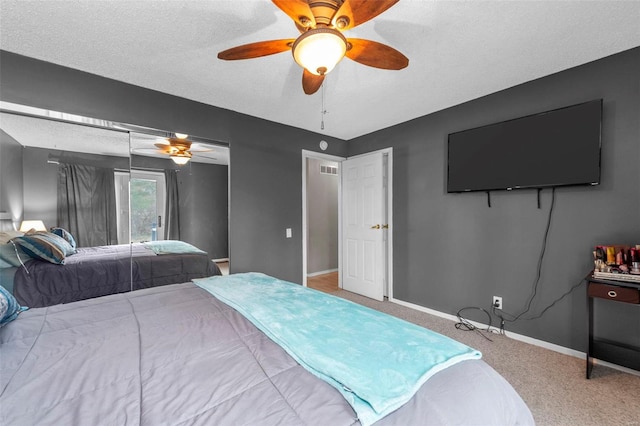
[[324, 110]]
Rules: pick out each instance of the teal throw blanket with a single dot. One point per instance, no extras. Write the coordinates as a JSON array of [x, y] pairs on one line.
[[378, 362], [172, 247]]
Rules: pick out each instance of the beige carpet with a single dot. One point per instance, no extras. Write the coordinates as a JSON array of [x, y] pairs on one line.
[[552, 384]]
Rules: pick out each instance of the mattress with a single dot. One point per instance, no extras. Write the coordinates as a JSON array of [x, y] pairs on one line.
[[104, 270], [177, 355]]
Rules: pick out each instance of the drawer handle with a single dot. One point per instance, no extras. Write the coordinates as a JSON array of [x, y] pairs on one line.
[[612, 293]]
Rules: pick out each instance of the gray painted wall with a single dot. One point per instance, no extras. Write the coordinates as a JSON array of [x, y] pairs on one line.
[[322, 217], [452, 251], [204, 208], [11, 200], [266, 195]]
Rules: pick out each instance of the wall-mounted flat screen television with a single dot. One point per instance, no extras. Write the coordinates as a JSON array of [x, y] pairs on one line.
[[554, 148]]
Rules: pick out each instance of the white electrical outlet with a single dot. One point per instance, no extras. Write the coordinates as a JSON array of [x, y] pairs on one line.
[[288, 232], [497, 302]]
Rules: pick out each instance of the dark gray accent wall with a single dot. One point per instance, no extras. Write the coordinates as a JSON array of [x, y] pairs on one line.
[[266, 157], [452, 251], [40, 186], [204, 208], [11, 200], [266, 196]]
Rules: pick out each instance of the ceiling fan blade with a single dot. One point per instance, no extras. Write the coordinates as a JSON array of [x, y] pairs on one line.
[[359, 12], [147, 151], [298, 10], [162, 145], [376, 54], [311, 82], [256, 50], [200, 149]]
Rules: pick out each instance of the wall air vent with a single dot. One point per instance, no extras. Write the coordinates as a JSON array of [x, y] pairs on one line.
[[328, 170]]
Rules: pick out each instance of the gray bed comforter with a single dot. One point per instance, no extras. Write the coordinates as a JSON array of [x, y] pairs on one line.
[[176, 355], [103, 270]]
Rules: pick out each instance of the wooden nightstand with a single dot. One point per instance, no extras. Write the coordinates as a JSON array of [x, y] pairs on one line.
[[607, 350]]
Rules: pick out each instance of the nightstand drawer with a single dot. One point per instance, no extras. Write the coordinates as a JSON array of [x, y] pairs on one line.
[[619, 294]]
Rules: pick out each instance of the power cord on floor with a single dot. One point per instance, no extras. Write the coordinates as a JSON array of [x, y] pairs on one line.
[[466, 325]]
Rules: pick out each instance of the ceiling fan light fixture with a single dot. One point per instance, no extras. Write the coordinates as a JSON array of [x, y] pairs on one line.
[[319, 50], [180, 159], [181, 135]]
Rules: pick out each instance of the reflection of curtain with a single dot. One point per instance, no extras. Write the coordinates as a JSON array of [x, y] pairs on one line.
[[87, 204], [172, 213]]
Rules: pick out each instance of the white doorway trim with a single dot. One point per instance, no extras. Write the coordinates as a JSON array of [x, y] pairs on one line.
[[388, 169], [305, 226]]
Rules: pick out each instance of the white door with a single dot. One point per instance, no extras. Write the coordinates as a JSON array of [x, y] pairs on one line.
[[363, 226]]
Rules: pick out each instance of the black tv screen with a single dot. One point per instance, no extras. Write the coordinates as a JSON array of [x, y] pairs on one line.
[[554, 148]]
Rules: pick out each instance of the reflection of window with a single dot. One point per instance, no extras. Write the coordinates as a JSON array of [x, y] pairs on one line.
[[143, 212], [147, 191]]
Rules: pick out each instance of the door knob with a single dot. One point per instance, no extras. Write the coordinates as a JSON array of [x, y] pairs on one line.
[[385, 226], [376, 226]]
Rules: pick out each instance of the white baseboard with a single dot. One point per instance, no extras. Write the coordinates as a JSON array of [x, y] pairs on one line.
[[224, 259], [520, 337], [328, 271]]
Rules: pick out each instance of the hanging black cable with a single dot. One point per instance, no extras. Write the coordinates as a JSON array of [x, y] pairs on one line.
[[538, 275]]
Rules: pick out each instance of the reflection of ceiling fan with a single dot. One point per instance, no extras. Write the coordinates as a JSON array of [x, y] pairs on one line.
[[321, 45], [178, 148]]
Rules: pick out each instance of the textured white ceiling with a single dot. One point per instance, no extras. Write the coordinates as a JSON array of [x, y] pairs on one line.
[[69, 136], [57, 135], [458, 51]]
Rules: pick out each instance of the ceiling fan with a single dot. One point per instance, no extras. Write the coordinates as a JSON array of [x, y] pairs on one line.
[[178, 148], [321, 44]]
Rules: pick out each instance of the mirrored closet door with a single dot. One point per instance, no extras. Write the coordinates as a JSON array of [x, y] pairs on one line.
[[121, 192]]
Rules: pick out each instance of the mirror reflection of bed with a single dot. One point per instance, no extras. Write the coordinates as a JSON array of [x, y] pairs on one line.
[[136, 219]]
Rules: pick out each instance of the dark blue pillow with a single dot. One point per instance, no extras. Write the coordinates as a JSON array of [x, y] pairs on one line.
[[9, 307], [45, 246], [61, 232]]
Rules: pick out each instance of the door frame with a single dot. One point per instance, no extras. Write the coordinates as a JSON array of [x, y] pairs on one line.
[[306, 154], [388, 170]]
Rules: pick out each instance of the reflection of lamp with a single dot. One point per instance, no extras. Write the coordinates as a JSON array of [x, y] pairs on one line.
[[319, 50], [181, 158], [28, 225]]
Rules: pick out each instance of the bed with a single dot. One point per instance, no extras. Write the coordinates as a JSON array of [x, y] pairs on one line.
[[98, 271], [177, 354]]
